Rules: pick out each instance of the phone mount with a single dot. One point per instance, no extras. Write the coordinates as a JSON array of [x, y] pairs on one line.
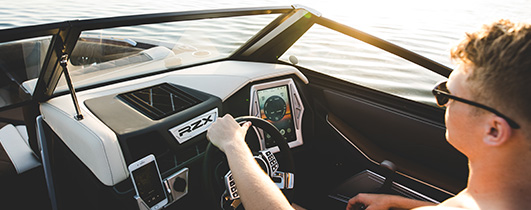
[[176, 186], [141, 204]]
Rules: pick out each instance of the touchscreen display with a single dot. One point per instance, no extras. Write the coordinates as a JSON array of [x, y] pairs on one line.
[[148, 184], [275, 107]]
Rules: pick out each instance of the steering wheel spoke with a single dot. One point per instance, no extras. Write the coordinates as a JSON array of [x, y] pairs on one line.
[[271, 161]]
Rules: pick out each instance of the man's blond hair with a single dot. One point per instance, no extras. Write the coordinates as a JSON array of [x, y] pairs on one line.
[[500, 58]]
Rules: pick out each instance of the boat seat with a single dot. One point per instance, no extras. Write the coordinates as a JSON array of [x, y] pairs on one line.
[[16, 156]]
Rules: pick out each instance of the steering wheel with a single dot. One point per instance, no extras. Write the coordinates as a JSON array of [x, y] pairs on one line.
[[218, 178]]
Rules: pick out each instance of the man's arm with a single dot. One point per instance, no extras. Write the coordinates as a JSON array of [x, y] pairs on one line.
[[384, 201], [256, 189]]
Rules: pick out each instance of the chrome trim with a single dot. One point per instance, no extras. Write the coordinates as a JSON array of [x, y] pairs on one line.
[[287, 180], [310, 10], [297, 110], [230, 185], [265, 162], [340, 197], [174, 195], [377, 163], [271, 161], [191, 128], [396, 186]]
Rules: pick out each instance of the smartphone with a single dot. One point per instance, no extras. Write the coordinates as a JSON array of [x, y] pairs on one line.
[[146, 178]]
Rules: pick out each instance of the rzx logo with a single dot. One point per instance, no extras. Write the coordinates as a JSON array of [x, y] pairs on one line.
[[195, 125]]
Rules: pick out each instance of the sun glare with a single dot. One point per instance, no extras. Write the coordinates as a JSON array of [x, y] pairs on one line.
[[370, 13]]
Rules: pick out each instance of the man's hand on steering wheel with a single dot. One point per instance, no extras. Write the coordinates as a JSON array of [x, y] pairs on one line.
[[226, 133], [255, 188]]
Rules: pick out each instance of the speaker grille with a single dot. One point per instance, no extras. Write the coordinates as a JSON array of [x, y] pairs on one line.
[[159, 101]]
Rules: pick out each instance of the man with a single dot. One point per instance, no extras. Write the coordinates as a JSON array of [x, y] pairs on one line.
[[487, 119]]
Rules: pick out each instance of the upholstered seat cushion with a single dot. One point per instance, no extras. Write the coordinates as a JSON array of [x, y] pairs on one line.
[[16, 157]]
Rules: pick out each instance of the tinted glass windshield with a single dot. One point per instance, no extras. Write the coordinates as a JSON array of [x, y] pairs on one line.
[[338, 55], [116, 53], [20, 65]]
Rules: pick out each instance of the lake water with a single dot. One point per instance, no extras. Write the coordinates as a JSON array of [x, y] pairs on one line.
[[429, 28]]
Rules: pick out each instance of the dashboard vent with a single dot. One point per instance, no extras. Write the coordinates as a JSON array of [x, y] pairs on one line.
[[159, 101]]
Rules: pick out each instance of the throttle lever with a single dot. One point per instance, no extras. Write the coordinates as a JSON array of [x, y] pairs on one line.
[[388, 172]]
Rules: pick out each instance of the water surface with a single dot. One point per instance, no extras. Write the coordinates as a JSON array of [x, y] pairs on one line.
[[429, 28]]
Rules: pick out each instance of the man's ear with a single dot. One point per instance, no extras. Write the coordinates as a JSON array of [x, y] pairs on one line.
[[497, 131]]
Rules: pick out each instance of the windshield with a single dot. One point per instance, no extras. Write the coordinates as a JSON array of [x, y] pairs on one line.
[[20, 65], [335, 54], [102, 56]]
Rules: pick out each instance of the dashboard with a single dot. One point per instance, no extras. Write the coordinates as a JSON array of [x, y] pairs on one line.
[[168, 114]]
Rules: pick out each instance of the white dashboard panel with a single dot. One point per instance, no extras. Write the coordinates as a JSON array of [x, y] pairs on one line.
[[97, 146]]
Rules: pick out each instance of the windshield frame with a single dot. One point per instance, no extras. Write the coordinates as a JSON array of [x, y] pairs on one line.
[[65, 36]]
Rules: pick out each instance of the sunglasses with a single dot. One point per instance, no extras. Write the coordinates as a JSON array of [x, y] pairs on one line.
[[442, 95]]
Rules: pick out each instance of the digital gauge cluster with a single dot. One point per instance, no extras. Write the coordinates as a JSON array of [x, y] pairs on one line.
[[274, 107], [279, 103]]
